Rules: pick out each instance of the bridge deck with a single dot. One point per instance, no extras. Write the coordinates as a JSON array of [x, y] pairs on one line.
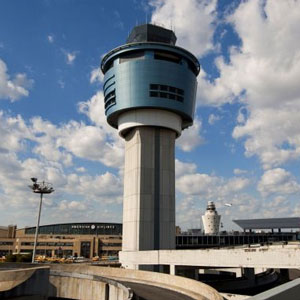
[[275, 256]]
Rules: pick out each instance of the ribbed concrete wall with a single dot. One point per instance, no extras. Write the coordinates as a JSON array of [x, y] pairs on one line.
[[149, 189], [74, 285]]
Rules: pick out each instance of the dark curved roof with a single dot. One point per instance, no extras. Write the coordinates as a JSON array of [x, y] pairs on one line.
[[74, 223], [78, 228], [272, 223], [151, 33]]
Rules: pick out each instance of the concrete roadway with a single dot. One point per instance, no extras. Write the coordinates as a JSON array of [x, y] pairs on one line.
[[147, 292]]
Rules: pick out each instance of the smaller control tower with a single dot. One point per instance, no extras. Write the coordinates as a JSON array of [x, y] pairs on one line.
[[211, 219], [149, 97]]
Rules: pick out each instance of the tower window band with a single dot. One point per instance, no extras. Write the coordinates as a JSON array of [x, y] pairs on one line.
[[167, 56], [167, 92], [132, 56], [110, 99], [110, 95]]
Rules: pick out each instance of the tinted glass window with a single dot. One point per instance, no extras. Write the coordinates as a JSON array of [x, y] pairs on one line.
[[154, 86], [166, 92], [132, 56], [154, 94]]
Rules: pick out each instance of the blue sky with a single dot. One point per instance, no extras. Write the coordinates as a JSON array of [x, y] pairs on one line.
[[243, 149]]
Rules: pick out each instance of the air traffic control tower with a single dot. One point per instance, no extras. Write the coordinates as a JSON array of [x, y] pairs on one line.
[[150, 89]]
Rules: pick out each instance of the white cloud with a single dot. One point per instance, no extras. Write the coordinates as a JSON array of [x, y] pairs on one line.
[[188, 213], [210, 186], [216, 93], [70, 57], [263, 74], [182, 168], [192, 21], [61, 83], [118, 23], [55, 147], [81, 169], [241, 118], [278, 181], [212, 119], [191, 137], [239, 172], [96, 76], [15, 88], [46, 159], [71, 205], [91, 142], [94, 110], [46, 136], [273, 134], [96, 142], [13, 131], [50, 38], [112, 145], [106, 188]]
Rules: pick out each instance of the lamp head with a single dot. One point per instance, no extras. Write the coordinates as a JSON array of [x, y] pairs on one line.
[[33, 179]]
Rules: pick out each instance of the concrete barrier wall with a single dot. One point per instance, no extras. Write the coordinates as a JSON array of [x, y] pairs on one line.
[[93, 282], [248, 257], [191, 288], [30, 283], [11, 278], [76, 283], [286, 291], [76, 288]]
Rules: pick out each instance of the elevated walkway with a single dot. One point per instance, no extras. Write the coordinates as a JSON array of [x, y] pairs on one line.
[[239, 257]]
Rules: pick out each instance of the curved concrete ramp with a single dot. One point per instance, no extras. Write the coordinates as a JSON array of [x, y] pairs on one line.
[[74, 285], [10, 278], [149, 292], [143, 283], [29, 281]]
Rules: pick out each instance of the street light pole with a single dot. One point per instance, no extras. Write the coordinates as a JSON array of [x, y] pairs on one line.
[[39, 188], [37, 228]]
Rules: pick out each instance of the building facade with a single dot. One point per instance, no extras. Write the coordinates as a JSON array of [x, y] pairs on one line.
[[7, 239], [105, 239], [61, 240]]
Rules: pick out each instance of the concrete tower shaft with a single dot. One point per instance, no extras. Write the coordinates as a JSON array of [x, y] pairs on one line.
[[149, 189]]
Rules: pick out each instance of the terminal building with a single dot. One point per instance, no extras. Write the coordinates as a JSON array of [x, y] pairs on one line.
[[105, 239], [255, 231], [72, 239]]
